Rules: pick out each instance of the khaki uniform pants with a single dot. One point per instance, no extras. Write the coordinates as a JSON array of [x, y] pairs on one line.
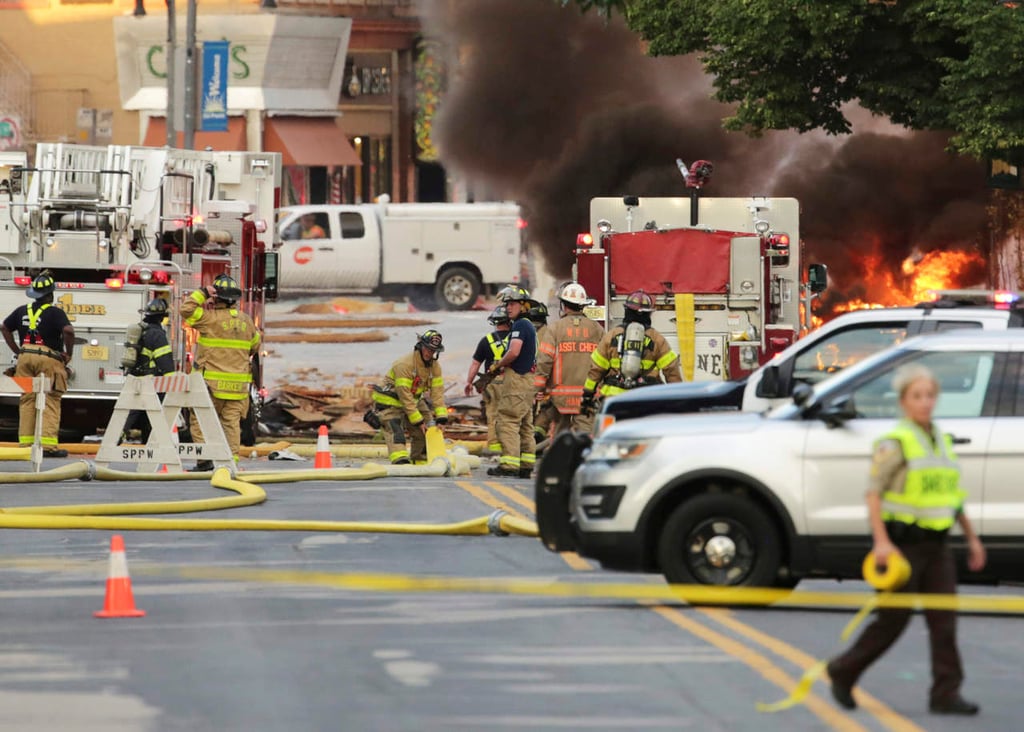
[[515, 421], [546, 415], [32, 365], [395, 425], [230, 413]]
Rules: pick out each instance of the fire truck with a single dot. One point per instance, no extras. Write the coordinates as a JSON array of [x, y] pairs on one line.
[[119, 225], [724, 273]]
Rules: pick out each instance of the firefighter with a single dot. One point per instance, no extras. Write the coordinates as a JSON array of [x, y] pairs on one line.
[[402, 405], [490, 348], [544, 412], [45, 345], [564, 359], [228, 340], [154, 359], [516, 396], [630, 355]]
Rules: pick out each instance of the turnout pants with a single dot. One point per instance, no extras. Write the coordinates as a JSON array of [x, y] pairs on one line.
[[515, 421], [395, 425], [230, 413], [38, 364], [574, 422], [489, 404], [933, 570]]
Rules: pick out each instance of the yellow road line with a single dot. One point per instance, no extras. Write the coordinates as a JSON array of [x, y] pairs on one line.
[[513, 495], [888, 717], [483, 496], [574, 560], [823, 710]]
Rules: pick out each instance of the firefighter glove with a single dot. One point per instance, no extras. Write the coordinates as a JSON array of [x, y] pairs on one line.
[[441, 420], [588, 403]]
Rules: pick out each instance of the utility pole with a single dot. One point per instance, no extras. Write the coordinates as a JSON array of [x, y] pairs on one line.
[[172, 47], [190, 77]]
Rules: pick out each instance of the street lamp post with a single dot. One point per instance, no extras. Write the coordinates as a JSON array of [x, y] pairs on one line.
[[172, 45]]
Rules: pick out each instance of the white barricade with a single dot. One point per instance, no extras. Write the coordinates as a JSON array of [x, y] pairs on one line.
[[180, 390]]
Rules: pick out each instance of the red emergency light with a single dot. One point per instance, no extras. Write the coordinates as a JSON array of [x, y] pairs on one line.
[[779, 243], [521, 223], [23, 280], [584, 240], [114, 283]]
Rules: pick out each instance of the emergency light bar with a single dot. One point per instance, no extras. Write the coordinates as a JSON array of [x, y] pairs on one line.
[[584, 240]]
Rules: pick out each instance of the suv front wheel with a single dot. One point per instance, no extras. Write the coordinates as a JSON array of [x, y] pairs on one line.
[[719, 539]]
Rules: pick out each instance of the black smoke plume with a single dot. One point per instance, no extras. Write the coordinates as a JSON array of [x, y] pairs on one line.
[[551, 107]]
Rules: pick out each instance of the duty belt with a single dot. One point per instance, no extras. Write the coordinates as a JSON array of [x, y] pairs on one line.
[[51, 354]]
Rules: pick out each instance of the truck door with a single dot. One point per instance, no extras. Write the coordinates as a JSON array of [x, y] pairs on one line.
[[332, 250]]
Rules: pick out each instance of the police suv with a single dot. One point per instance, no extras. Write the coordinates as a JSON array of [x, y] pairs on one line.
[[836, 345], [764, 499]]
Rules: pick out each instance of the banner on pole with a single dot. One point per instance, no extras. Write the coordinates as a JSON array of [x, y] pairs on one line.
[[213, 114]]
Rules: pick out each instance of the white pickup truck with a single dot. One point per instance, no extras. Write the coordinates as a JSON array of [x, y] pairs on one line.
[[439, 254]]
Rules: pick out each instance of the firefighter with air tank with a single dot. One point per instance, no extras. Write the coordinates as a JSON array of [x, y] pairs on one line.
[[630, 355], [564, 359]]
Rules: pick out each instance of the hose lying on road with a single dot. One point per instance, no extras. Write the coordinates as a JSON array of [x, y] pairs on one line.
[[117, 517]]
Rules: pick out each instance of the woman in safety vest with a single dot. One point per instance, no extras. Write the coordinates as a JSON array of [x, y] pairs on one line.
[[913, 501]]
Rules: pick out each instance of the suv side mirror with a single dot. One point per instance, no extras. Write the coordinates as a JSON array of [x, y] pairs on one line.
[[770, 386], [817, 277], [838, 412], [801, 393]]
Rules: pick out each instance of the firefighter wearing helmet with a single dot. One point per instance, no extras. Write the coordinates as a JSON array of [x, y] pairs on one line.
[[489, 349], [226, 344], [44, 346], [564, 359], [516, 396], [630, 355], [150, 352], [412, 390]]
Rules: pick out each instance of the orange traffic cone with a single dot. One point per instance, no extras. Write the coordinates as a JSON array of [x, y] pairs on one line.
[[174, 441], [323, 449], [119, 602]]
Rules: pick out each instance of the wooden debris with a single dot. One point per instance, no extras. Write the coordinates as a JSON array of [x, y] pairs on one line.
[[350, 323], [369, 336]]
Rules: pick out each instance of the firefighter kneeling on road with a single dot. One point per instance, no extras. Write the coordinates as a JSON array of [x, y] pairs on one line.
[[228, 339], [630, 355], [400, 402], [47, 341]]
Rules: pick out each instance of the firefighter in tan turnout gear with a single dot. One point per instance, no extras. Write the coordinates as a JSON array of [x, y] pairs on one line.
[[490, 348], [45, 344], [401, 402], [630, 355], [564, 359], [228, 339], [516, 396]]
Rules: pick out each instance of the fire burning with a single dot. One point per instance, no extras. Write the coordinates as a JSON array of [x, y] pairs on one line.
[[918, 276]]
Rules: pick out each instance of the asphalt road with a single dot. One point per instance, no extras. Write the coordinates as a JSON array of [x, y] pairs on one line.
[[303, 651]]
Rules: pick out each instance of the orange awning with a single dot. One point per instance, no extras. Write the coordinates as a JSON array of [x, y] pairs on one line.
[[312, 141], [233, 139]]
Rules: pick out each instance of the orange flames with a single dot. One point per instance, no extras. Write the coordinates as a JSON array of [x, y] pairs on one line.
[[917, 279]]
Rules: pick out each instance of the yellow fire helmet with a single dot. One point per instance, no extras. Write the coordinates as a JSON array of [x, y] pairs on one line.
[[893, 577]]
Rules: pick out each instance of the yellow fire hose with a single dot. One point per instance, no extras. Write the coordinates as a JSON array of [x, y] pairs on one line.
[[358, 451], [117, 516]]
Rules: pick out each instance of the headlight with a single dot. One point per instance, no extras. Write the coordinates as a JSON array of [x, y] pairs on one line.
[[616, 450]]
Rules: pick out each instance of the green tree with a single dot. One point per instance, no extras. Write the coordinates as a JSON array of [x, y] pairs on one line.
[[950, 65]]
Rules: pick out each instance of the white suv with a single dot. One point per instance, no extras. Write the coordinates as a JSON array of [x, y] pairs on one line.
[[767, 499]]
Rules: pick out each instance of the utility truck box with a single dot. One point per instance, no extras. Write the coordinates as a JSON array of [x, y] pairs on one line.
[[441, 254]]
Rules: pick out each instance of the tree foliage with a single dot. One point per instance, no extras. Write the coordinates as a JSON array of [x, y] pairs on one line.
[[952, 65]]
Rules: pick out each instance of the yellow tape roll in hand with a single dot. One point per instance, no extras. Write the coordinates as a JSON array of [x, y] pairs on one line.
[[893, 576]]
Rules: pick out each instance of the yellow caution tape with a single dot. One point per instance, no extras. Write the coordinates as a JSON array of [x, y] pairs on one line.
[[895, 575], [803, 688]]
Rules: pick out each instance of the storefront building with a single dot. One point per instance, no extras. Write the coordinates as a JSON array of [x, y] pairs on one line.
[[332, 87]]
